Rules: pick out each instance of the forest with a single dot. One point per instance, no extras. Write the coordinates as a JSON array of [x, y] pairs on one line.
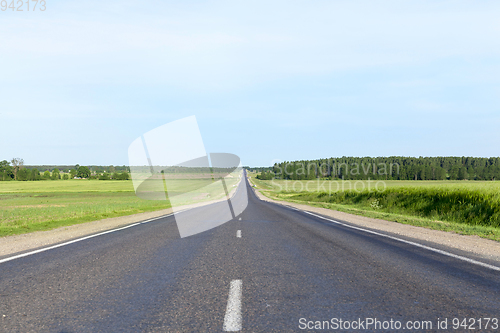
[[386, 168]]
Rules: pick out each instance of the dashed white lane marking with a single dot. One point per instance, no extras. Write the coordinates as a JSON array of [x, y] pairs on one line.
[[449, 254], [232, 320], [238, 233], [79, 239]]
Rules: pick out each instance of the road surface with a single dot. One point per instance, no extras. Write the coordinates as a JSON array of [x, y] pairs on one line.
[[270, 269]]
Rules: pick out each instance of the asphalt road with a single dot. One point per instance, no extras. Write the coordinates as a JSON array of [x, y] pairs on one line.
[[286, 271]]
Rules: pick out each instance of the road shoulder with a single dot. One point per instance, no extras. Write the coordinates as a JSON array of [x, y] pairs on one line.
[[24, 242]]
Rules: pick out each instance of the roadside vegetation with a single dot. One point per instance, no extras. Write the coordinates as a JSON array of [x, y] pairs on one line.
[[466, 207], [460, 194]]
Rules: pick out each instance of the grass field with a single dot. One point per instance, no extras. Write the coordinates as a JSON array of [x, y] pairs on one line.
[[43, 205], [467, 207], [74, 185], [338, 185]]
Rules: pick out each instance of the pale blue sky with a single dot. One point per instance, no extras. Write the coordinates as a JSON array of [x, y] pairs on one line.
[[267, 80]]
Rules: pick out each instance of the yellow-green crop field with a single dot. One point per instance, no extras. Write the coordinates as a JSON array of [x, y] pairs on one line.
[[339, 185]]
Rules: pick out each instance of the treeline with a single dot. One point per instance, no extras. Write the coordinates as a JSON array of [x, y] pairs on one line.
[[387, 168], [16, 170], [179, 169], [92, 168], [258, 169]]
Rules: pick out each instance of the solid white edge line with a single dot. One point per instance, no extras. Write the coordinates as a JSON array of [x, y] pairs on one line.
[[238, 233], [449, 254], [80, 239], [232, 319]]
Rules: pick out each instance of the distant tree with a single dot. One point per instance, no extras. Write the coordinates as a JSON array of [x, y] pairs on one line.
[[462, 174], [6, 172], [421, 173], [115, 175], [111, 169], [479, 173], [472, 173], [65, 176], [440, 173], [492, 172], [17, 164], [72, 173], [4, 165], [83, 172], [429, 172], [46, 174], [104, 176], [55, 174], [35, 175], [265, 175], [125, 176], [23, 174], [454, 172]]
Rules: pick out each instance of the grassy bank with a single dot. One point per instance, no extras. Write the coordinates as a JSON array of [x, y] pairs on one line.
[[464, 207], [460, 206]]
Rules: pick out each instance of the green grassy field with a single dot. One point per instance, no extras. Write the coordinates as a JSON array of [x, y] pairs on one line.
[[44, 205], [466, 207], [338, 185], [74, 185]]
